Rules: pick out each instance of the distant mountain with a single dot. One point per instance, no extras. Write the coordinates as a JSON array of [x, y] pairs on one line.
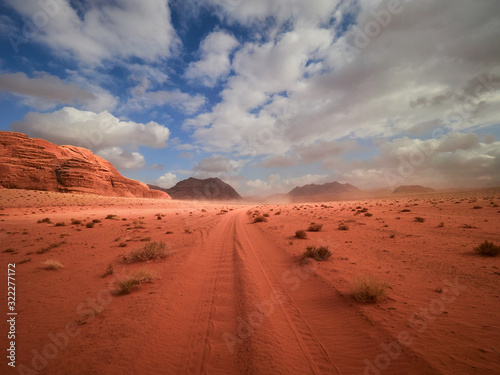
[[412, 189], [328, 190], [36, 164], [196, 189]]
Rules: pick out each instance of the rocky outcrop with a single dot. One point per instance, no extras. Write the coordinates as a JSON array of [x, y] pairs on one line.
[[412, 189], [329, 189], [36, 164], [211, 189]]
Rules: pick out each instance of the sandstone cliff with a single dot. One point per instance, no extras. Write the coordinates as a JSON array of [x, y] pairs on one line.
[[36, 164]]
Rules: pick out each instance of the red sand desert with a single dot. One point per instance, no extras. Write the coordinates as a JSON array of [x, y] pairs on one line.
[[234, 297]]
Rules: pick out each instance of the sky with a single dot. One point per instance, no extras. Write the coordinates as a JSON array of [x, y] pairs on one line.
[[264, 94]]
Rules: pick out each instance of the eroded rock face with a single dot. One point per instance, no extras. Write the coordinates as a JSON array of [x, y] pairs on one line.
[[197, 189], [36, 164]]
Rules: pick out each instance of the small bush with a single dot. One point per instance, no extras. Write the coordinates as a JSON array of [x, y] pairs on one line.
[[150, 251], [188, 231], [52, 264], [266, 215], [112, 217], [46, 220], [406, 210], [259, 219], [96, 221], [343, 227], [75, 222], [135, 280], [60, 224], [419, 219], [43, 250], [9, 250], [368, 214], [314, 227], [109, 270], [301, 234], [476, 207], [24, 261], [318, 253], [369, 289], [90, 225], [277, 213], [122, 244], [441, 224], [488, 249]]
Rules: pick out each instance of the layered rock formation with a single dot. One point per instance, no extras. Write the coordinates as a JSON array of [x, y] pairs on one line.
[[36, 164], [196, 189], [328, 190], [412, 189]]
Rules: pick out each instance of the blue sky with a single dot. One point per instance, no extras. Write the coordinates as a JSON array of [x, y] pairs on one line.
[[265, 94]]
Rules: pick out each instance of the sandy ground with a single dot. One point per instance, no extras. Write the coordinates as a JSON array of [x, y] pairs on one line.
[[234, 297]]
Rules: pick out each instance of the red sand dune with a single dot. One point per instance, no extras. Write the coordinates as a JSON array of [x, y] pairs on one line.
[[233, 296]]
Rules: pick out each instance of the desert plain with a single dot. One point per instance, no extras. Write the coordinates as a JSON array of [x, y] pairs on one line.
[[234, 296]]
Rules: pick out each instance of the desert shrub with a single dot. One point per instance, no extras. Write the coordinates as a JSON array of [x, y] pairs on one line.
[[343, 227], [24, 261], [368, 214], [109, 270], [301, 234], [476, 207], [314, 227], [60, 224], [90, 225], [146, 239], [318, 253], [277, 213], [43, 250], [406, 210], [135, 280], [259, 219], [75, 222], [122, 244], [369, 289], [96, 221], [487, 249], [46, 220], [169, 232], [9, 250], [52, 264], [150, 251], [419, 219], [441, 224], [111, 217]]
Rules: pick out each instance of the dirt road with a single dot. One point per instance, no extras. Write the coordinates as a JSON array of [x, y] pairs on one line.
[[247, 308]]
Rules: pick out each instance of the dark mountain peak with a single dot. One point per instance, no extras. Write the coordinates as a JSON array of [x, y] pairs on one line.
[[192, 188]]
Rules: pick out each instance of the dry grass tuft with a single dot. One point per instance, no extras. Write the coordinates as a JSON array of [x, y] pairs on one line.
[[109, 271], [315, 227], [52, 264], [369, 289], [260, 219], [301, 234], [136, 279], [318, 253], [487, 249], [150, 251]]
